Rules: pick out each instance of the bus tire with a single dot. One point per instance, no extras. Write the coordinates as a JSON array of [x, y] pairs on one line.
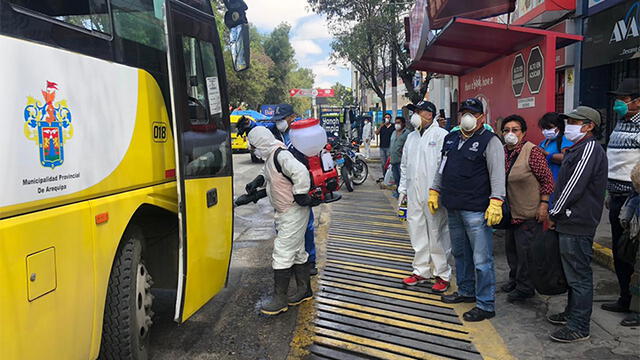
[[127, 311]]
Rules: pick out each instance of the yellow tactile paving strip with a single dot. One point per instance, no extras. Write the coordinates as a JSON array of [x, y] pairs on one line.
[[363, 311]]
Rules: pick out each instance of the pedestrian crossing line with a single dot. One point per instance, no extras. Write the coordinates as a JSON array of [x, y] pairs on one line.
[[393, 314], [392, 238], [369, 271], [358, 348], [371, 247], [369, 242], [385, 226], [387, 288], [401, 351], [381, 268], [372, 215], [391, 294], [394, 322], [367, 261], [374, 254]]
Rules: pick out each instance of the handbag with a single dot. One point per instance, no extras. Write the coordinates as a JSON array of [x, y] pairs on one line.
[[545, 266], [505, 223]]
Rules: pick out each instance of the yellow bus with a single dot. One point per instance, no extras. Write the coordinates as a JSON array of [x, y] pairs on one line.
[[116, 173]]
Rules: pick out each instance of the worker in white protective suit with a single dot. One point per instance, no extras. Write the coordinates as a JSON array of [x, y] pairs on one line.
[[367, 136], [287, 181], [429, 233]]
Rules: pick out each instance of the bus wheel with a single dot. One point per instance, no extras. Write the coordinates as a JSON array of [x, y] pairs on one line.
[[127, 311]]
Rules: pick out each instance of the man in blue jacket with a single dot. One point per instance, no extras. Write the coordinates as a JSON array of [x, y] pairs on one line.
[[576, 213], [282, 119]]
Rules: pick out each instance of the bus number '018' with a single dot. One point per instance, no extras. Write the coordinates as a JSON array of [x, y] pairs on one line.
[[159, 132]]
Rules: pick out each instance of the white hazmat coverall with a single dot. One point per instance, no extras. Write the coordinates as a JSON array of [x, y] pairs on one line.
[[367, 135], [429, 233], [291, 219]]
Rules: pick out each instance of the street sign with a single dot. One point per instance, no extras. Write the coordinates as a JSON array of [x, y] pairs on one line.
[[517, 75], [311, 93], [535, 70]]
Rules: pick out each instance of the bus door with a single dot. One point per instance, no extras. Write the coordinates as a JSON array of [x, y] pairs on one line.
[[203, 156]]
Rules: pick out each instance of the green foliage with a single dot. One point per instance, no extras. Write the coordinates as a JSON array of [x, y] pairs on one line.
[[279, 49], [343, 96], [301, 78]]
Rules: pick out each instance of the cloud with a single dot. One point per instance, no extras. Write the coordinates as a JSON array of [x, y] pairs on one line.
[[313, 29], [305, 47], [324, 85], [322, 69], [267, 14]]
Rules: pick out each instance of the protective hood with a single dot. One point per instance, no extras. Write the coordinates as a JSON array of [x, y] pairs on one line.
[[263, 140]]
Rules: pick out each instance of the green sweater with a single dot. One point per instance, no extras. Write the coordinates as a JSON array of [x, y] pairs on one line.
[[397, 143]]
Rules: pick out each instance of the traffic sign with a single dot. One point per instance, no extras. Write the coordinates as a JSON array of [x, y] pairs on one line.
[[535, 70], [311, 93], [518, 75]]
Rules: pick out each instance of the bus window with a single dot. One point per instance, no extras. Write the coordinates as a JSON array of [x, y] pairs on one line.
[[91, 15], [141, 21], [206, 146]]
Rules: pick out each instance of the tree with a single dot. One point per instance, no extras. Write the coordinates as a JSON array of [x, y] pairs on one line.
[[346, 18], [278, 47], [343, 96], [301, 78]]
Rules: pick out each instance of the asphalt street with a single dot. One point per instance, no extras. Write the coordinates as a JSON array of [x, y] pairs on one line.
[[230, 326]]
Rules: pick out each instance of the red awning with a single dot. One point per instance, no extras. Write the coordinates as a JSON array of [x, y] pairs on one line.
[[441, 11], [465, 45]]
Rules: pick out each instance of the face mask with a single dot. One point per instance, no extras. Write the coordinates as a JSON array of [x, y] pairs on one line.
[[282, 125], [620, 107], [416, 121], [573, 133], [387, 120], [550, 133], [398, 127], [511, 139], [468, 122]]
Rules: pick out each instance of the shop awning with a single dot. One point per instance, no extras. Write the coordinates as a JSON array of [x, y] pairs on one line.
[[465, 45], [441, 11]]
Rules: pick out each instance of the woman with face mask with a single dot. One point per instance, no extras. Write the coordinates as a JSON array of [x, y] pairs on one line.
[[554, 142], [529, 184]]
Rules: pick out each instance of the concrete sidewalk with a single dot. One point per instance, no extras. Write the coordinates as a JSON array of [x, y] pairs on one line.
[[525, 330]]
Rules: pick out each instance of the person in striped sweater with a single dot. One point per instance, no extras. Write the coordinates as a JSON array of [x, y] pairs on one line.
[[579, 199]]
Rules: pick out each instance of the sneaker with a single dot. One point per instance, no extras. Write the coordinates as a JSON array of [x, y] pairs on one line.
[[558, 319], [414, 280], [518, 295], [313, 270], [456, 298], [440, 286], [566, 335], [477, 314]]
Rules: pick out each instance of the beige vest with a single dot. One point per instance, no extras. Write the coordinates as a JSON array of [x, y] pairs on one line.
[[279, 188], [523, 188]]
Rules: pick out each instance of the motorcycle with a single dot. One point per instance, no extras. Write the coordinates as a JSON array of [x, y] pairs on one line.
[[351, 165]]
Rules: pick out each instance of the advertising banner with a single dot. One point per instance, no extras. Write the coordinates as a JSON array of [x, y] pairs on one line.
[[524, 71], [612, 35]]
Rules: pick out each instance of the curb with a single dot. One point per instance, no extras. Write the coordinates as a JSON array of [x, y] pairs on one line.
[[603, 255]]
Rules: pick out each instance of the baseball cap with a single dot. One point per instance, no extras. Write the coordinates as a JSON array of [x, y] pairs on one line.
[[472, 104], [584, 113], [628, 86], [423, 105], [282, 111]]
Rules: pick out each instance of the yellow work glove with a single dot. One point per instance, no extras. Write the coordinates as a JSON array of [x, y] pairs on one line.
[[432, 203], [493, 215]]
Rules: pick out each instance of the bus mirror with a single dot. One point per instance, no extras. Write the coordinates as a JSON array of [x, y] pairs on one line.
[[239, 44]]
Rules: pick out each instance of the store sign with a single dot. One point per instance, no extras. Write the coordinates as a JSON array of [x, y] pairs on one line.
[[612, 35], [526, 103], [418, 28], [517, 75], [535, 70]]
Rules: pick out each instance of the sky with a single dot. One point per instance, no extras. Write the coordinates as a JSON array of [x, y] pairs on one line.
[[309, 36]]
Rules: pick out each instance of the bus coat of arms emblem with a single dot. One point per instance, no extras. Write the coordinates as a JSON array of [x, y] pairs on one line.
[[48, 124]]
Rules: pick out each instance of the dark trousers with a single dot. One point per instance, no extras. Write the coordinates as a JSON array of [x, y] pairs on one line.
[[624, 270], [396, 173], [576, 253], [309, 239], [517, 246]]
